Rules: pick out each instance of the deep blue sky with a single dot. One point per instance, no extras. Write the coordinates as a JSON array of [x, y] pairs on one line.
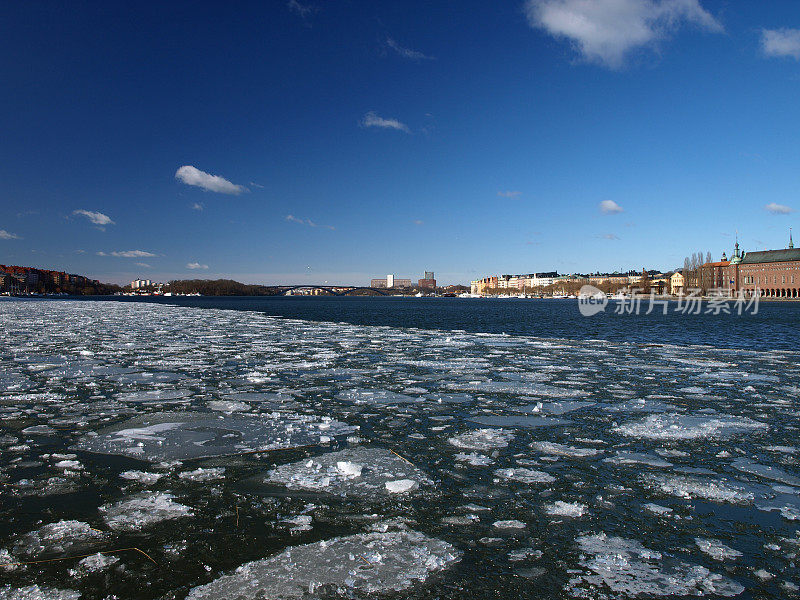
[[467, 138]]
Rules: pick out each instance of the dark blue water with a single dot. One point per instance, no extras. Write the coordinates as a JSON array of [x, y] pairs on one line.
[[776, 325]]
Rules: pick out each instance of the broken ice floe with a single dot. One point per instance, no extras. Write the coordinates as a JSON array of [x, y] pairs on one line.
[[34, 592], [716, 549], [523, 475], [142, 511], [368, 563], [62, 537], [627, 567], [689, 427], [185, 435], [356, 471], [483, 439], [716, 490]]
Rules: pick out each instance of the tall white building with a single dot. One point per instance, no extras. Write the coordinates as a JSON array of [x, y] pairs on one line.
[[390, 281]]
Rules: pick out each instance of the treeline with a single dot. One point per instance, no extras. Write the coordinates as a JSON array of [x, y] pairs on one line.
[[218, 287]]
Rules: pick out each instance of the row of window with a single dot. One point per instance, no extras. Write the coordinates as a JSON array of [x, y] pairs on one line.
[[756, 280]]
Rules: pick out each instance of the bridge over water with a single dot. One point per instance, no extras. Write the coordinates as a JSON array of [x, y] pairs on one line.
[[333, 290]]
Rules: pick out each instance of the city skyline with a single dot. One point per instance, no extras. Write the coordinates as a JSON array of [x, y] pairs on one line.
[[310, 143]]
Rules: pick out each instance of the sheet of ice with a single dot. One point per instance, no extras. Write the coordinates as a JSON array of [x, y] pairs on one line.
[[34, 592], [689, 427], [716, 549], [559, 508], [626, 567], [359, 471], [524, 475], [517, 421], [558, 407], [62, 537], [637, 458], [483, 439], [371, 563], [716, 490], [141, 477], [555, 449], [142, 511], [766, 471], [203, 474], [377, 397], [184, 435]]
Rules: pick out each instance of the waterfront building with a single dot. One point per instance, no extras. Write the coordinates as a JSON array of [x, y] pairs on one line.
[[377, 283], [390, 281], [775, 273], [677, 282], [140, 283]]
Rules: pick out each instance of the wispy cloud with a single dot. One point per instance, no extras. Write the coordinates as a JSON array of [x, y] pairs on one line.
[[418, 222], [141, 264], [97, 218], [607, 31], [127, 254], [610, 236], [609, 207], [210, 183], [7, 235], [778, 209], [373, 120], [407, 52], [304, 10], [307, 222], [198, 206], [196, 265], [509, 194], [781, 42]]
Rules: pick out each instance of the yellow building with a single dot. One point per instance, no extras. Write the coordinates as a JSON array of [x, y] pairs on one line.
[[677, 283]]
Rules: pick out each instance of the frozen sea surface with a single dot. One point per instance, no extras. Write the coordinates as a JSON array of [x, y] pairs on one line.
[[154, 452]]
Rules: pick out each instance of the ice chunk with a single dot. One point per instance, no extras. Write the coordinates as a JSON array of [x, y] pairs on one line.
[[555, 449], [142, 477], [482, 439], [203, 474], [356, 471], [559, 508], [525, 475], [474, 459], [687, 427], [184, 435], [142, 511], [520, 421], [684, 486], [370, 563], [627, 567], [401, 486], [228, 406], [637, 458], [509, 524], [34, 592], [58, 538], [765, 471], [716, 549]]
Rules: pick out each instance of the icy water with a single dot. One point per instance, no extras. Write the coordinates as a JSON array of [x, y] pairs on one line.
[[395, 448]]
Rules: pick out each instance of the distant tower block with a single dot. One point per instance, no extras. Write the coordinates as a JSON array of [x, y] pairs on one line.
[[429, 275], [390, 281]]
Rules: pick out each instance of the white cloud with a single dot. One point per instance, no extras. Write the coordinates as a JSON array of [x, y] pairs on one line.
[[196, 265], [7, 235], [129, 254], [609, 207], [372, 120], [304, 10], [419, 222], [308, 222], [97, 218], [610, 236], [141, 264], [198, 206], [210, 183], [781, 42], [606, 31], [406, 52], [509, 194], [778, 209]]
